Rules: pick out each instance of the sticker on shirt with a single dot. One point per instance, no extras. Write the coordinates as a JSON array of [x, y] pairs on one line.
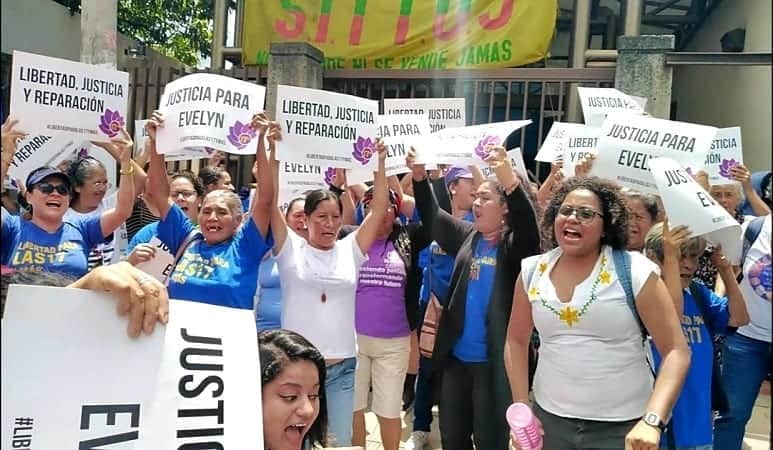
[[760, 278]]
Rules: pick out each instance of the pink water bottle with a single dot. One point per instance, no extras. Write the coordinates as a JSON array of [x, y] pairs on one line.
[[523, 425]]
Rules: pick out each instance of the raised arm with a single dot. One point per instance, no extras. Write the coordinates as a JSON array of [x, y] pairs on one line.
[[741, 174], [672, 253], [407, 202], [264, 189], [278, 223], [10, 135], [736, 305], [546, 190], [139, 174], [113, 218], [368, 230], [158, 184]]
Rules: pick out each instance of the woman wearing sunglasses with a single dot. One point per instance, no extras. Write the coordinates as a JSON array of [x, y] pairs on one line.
[[47, 242], [593, 388]]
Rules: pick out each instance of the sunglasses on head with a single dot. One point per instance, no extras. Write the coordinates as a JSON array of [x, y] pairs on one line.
[[583, 213], [48, 188]]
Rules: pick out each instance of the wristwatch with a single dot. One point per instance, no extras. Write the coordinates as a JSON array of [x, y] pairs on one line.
[[653, 419]]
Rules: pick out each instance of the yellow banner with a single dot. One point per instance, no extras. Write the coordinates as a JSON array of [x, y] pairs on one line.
[[404, 34]]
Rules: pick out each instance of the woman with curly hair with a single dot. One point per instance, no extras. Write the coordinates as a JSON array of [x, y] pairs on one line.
[[593, 389]]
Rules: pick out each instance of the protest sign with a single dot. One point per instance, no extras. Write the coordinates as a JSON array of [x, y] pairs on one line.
[[516, 161], [687, 203], [597, 103], [466, 146], [295, 179], [57, 96], [161, 264], [441, 112], [74, 379], [206, 110], [326, 128], [578, 145], [625, 149], [553, 146], [725, 153], [140, 138], [399, 132]]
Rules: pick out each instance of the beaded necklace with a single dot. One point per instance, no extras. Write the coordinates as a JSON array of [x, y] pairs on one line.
[[569, 315]]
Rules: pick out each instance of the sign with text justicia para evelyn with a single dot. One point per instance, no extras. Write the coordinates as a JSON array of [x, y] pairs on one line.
[[687, 203], [295, 179], [441, 112], [466, 146], [56, 96], [726, 152], [597, 103], [204, 110], [141, 141], [405, 34], [627, 143], [72, 378], [326, 128]]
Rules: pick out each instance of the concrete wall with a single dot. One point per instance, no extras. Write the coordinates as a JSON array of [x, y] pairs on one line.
[[47, 28], [731, 96]]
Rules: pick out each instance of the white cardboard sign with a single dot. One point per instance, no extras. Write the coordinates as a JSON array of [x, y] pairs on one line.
[[295, 179], [57, 96], [399, 133], [160, 266], [627, 143], [577, 145], [597, 103], [553, 146], [725, 153], [140, 138], [38, 151], [687, 203], [207, 110], [326, 128], [442, 112], [466, 146], [516, 160], [76, 380]]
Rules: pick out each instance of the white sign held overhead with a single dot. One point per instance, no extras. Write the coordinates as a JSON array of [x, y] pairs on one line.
[[553, 146], [516, 161], [466, 146], [295, 179], [38, 151], [624, 150], [192, 384], [687, 203], [326, 128], [441, 112], [140, 138], [57, 96], [206, 110], [577, 146], [725, 153], [597, 103], [399, 133]]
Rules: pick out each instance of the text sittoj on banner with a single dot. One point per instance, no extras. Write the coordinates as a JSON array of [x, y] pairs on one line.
[[441, 112], [326, 128], [56, 96], [466, 146], [687, 203], [597, 103], [399, 132], [213, 111], [83, 383], [725, 153], [624, 150], [407, 34]]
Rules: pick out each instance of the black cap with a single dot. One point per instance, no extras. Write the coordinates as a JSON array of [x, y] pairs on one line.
[[41, 173]]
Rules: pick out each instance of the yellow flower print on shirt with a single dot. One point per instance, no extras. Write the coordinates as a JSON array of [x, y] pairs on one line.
[[569, 315], [605, 277], [533, 293], [542, 268]]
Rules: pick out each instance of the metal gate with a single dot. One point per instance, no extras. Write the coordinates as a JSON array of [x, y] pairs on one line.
[[491, 96]]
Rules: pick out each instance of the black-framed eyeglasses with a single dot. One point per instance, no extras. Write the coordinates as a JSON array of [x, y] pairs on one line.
[[48, 188], [186, 194], [583, 213]]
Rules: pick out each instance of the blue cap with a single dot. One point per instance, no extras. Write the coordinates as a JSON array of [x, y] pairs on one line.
[[41, 173], [457, 172]]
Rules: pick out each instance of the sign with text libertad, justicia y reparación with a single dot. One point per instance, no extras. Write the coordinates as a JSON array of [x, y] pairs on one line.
[[404, 34]]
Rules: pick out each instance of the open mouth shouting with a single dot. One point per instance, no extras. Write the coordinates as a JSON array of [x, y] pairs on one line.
[[295, 433]]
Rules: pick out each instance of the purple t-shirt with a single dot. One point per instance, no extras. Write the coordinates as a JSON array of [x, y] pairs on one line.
[[380, 307]]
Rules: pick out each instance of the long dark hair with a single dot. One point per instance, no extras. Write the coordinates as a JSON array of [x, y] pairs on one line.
[[315, 197], [280, 347]]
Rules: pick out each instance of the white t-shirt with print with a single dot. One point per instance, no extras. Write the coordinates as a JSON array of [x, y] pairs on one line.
[[305, 274], [592, 364], [756, 285]]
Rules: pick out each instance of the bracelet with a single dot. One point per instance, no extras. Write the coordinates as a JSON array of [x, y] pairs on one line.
[[129, 172], [336, 190]]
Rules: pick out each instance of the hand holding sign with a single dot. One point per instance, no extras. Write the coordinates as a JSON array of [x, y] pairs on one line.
[[674, 239], [141, 253], [419, 171], [120, 148], [10, 136], [151, 126]]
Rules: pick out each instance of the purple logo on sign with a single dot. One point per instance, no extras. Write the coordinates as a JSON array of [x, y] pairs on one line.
[[726, 166], [330, 174], [760, 278], [111, 122], [363, 150], [83, 152], [480, 150], [240, 135]]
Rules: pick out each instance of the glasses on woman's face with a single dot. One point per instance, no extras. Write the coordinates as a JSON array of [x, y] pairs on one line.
[[185, 194], [101, 184], [583, 213], [47, 188]]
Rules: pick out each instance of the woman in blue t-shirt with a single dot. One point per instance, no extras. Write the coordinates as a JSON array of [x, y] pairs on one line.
[[47, 242], [219, 260]]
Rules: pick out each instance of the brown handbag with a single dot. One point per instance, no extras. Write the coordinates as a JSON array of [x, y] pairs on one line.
[[429, 327]]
